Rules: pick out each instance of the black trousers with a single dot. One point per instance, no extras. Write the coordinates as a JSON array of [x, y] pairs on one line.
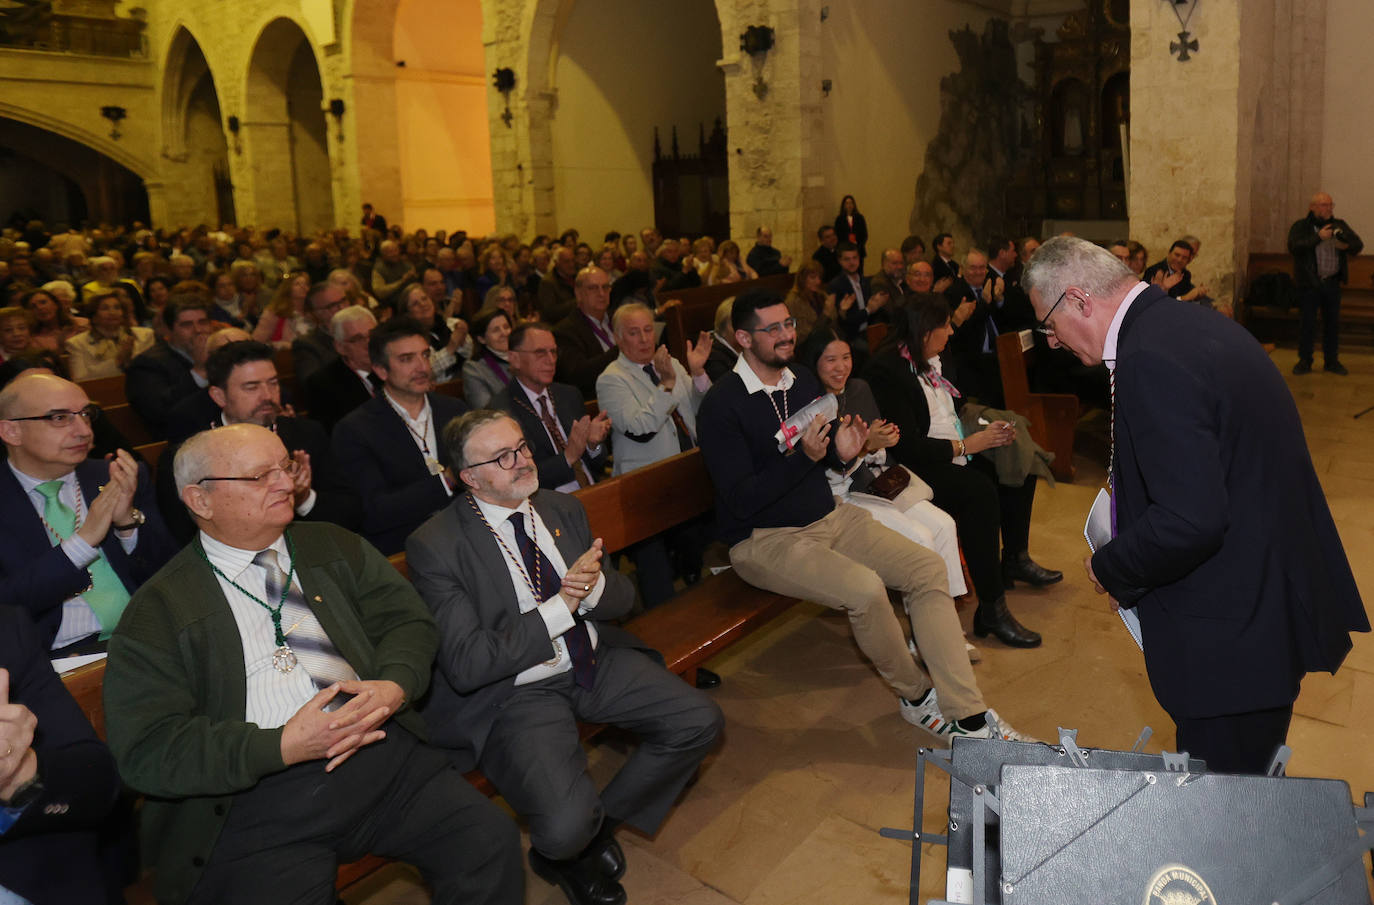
[[982, 508], [285, 838], [1235, 743], [1326, 297]]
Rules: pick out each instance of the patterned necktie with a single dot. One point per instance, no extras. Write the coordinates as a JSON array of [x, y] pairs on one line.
[[579, 641], [107, 595], [1111, 458], [304, 634], [684, 434], [556, 432]]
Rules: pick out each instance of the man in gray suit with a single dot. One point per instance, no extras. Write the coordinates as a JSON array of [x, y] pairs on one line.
[[514, 580]]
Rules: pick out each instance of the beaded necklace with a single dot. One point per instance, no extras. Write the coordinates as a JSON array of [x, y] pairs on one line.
[[283, 659], [536, 585]]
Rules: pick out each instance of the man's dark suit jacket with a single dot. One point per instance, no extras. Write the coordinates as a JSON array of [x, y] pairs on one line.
[[311, 352], [335, 499], [50, 856], [554, 470], [943, 270], [1182, 287], [829, 259], [378, 223], [374, 449], [332, 392], [192, 415], [766, 260], [556, 298], [484, 639], [580, 356], [978, 373], [1225, 545], [37, 576], [155, 381]]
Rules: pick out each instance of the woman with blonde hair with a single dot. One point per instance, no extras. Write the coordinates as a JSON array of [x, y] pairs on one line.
[[729, 267], [284, 318]]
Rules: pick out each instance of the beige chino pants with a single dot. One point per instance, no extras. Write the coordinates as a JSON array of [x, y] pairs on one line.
[[847, 561]]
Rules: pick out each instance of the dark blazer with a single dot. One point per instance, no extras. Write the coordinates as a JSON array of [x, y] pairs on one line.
[[37, 576], [374, 449], [766, 260], [155, 381], [50, 856], [902, 401], [1225, 544], [977, 372], [335, 499], [311, 352], [860, 231], [192, 415], [484, 639], [829, 259], [943, 270], [332, 392], [1182, 287], [554, 470], [721, 361], [580, 356]]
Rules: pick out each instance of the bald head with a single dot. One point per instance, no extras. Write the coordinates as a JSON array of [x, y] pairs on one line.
[[248, 514], [39, 447], [1322, 205], [221, 338]]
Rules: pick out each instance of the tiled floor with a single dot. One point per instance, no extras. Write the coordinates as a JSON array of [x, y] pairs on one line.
[[816, 758]]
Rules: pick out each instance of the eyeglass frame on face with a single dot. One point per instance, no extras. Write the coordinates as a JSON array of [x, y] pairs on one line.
[[286, 466], [1043, 325], [775, 330], [64, 417], [522, 449]]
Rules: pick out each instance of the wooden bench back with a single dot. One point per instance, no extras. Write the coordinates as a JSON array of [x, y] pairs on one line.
[[105, 391], [1012, 361], [1053, 417], [127, 422], [152, 454], [698, 309], [1361, 267], [641, 503]]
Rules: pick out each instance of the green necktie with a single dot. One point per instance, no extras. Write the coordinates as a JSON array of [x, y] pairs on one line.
[[107, 596]]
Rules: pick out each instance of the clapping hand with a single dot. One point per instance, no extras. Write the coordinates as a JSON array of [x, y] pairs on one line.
[[582, 575], [113, 504], [697, 354], [18, 761], [851, 437], [663, 367], [882, 435], [300, 475]]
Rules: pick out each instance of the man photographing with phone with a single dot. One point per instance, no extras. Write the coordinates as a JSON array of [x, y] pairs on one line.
[[1321, 245]]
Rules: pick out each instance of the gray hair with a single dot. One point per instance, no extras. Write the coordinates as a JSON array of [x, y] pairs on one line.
[[1066, 261], [345, 316], [101, 261], [61, 290], [626, 310], [192, 462], [459, 431]]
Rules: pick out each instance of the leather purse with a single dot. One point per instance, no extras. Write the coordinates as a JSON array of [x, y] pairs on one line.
[[890, 484]]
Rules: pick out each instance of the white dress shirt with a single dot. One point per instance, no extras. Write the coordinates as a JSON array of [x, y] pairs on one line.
[[554, 609], [1114, 330], [422, 431], [272, 697], [591, 451], [78, 619]]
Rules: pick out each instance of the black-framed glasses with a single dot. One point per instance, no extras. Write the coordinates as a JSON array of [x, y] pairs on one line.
[[286, 466], [508, 459], [775, 330], [64, 418], [1043, 325]]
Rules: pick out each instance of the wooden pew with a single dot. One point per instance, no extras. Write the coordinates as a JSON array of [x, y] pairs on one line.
[[1272, 323], [697, 310], [152, 454], [105, 391], [1052, 416], [124, 418]]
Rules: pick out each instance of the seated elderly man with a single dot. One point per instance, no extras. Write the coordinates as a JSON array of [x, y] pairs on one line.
[[515, 581], [391, 447], [257, 692], [79, 536], [315, 350], [244, 390], [586, 343], [347, 382]]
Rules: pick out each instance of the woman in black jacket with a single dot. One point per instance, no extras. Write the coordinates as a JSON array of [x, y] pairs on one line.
[[850, 226], [907, 380]]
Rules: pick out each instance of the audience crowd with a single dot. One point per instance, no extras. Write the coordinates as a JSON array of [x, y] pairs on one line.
[[445, 392]]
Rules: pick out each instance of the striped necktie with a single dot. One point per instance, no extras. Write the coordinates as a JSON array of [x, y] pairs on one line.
[[304, 634], [578, 639]]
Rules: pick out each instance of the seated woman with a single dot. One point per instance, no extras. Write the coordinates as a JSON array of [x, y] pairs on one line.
[[156, 293], [723, 352], [906, 377], [447, 335], [488, 372], [829, 356], [284, 318], [16, 331], [495, 269], [53, 325], [729, 268], [808, 302], [111, 342]]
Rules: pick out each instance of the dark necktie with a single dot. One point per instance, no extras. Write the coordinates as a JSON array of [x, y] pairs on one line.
[[579, 641], [304, 634], [684, 435], [556, 432]]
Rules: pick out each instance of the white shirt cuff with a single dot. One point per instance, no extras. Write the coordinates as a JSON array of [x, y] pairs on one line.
[[556, 615], [702, 382], [79, 552], [304, 508], [591, 600]]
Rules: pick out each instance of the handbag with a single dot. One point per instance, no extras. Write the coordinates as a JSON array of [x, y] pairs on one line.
[[890, 484]]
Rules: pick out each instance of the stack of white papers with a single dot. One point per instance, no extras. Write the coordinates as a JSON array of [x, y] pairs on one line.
[[1097, 532]]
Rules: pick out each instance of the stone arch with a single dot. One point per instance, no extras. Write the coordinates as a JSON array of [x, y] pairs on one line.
[[194, 143], [285, 133], [62, 178], [121, 155]]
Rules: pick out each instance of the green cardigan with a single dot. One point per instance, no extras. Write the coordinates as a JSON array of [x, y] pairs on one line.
[[175, 687]]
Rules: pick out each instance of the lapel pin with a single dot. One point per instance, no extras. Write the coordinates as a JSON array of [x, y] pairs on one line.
[[319, 599], [557, 533]]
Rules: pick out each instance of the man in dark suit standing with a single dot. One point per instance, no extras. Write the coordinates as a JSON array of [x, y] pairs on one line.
[[586, 342], [79, 536], [315, 349], [346, 382], [569, 445], [373, 220], [244, 390], [57, 780], [391, 447], [515, 582], [275, 740], [1321, 245], [943, 263], [174, 369], [1230, 558]]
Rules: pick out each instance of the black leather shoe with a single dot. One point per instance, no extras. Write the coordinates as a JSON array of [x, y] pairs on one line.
[[610, 861], [1022, 568], [1335, 367], [707, 679], [996, 620], [580, 881], [1302, 367]]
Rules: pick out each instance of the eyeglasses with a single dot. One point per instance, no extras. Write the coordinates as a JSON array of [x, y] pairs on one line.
[[1043, 325], [775, 330], [508, 459], [286, 466], [64, 418]]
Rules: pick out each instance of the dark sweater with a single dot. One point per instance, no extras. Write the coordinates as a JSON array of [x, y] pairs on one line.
[[757, 486]]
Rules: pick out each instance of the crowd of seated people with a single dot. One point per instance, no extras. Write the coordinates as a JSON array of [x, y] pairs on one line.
[[442, 377]]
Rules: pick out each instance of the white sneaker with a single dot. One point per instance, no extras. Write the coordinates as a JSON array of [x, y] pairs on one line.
[[927, 716], [1000, 728]]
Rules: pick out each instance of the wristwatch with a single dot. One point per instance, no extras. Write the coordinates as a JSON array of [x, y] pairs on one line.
[[136, 520]]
